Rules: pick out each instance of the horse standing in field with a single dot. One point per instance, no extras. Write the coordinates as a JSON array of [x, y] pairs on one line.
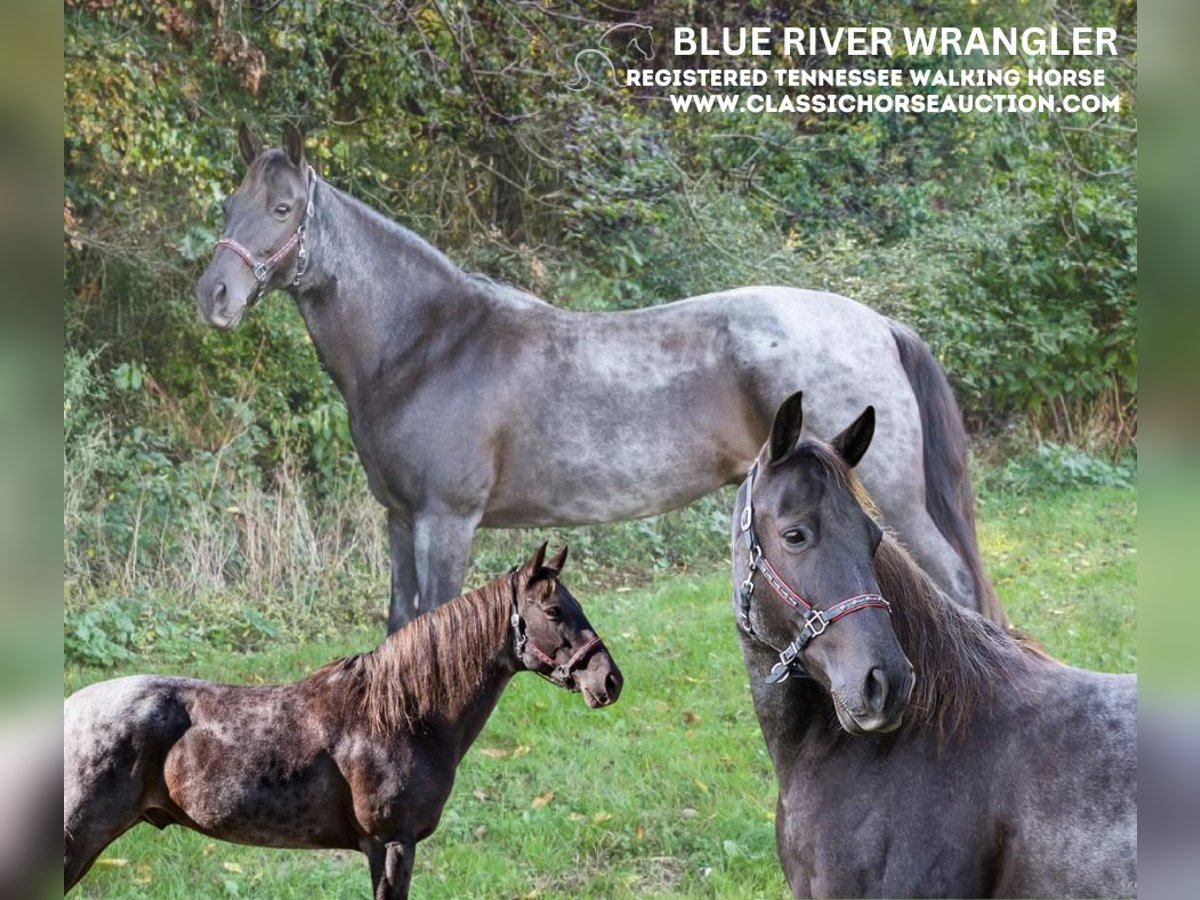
[[997, 772], [476, 404], [360, 755]]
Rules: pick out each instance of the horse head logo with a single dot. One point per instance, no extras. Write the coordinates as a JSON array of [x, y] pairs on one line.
[[632, 42]]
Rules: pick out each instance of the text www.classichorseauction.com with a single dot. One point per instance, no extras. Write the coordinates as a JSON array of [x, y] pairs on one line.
[[962, 77]]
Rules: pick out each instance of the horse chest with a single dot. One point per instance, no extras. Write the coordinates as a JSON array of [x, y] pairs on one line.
[[847, 834], [398, 790], [421, 445]]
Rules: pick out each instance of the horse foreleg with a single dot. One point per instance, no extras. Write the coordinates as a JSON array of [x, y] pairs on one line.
[[442, 547], [404, 597], [391, 869]]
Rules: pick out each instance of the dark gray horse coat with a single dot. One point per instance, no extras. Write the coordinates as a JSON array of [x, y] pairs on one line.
[[475, 404], [1002, 774]]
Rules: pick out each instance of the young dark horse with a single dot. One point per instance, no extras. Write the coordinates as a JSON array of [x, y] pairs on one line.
[[998, 772], [360, 755], [620, 414]]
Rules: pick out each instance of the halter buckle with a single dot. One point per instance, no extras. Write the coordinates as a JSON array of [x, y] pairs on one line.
[[746, 515], [261, 272], [780, 672], [817, 617]]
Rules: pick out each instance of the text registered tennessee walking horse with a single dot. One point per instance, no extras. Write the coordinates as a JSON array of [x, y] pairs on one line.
[[476, 404], [360, 755], [984, 768]]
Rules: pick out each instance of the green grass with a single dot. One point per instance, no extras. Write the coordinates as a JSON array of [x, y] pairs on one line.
[[668, 793], [1065, 567]]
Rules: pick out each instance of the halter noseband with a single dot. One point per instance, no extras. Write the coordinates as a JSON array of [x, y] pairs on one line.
[[263, 268], [815, 620], [521, 643]]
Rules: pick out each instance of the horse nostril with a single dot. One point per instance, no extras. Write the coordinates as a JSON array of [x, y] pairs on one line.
[[875, 691], [219, 293], [612, 686]]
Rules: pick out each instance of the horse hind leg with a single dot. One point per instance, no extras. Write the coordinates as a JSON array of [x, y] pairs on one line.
[[105, 807], [89, 837], [935, 554]]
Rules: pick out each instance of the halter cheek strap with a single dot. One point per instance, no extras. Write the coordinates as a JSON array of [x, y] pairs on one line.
[[263, 268], [815, 620]]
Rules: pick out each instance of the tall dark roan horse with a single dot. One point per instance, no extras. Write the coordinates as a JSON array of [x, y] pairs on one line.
[[361, 755], [994, 771], [475, 404]]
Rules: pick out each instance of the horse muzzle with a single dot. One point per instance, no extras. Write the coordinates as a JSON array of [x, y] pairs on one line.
[[600, 681], [876, 706], [223, 297]]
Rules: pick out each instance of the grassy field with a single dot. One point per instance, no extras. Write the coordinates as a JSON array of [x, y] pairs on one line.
[[668, 793]]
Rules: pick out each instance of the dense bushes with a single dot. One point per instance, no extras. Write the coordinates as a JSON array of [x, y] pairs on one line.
[[1008, 241]]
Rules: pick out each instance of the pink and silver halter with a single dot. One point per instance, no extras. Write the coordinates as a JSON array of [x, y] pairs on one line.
[[263, 268], [815, 620], [521, 642]]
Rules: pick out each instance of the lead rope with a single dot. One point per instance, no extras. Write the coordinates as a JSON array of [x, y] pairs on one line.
[[815, 620]]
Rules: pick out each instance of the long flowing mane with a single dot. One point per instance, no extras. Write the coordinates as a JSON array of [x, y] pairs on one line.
[[431, 666], [958, 655]]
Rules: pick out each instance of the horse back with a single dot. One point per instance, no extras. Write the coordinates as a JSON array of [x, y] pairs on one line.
[[1070, 758]]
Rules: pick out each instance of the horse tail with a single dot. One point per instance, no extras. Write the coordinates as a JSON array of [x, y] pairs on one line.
[[948, 496]]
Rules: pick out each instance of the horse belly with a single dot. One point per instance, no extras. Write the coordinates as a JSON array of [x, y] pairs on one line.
[[611, 451], [220, 789]]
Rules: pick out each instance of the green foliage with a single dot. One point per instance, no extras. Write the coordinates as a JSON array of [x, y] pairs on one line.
[[1055, 467], [1009, 242], [101, 636]]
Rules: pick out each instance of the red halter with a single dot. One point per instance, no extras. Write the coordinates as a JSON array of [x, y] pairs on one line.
[[522, 643], [262, 269], [815, 620]]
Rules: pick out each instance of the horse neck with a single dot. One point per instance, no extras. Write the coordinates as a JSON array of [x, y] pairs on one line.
[[795, 716], [444, 671], [474, 715], [372, 289]]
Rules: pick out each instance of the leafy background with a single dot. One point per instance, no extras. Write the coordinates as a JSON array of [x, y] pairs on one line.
[[216, 468], [216, 521]]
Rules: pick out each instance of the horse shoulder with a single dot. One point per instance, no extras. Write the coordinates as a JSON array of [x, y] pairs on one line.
[[398, 784], [1069, 765]]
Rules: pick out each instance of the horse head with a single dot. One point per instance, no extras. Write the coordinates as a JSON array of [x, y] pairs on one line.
[[262, 245], [554, 638], [810, 544]]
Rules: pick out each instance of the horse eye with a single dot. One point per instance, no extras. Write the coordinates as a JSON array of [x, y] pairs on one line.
[[283, 209], [796, 537], [554, 613]]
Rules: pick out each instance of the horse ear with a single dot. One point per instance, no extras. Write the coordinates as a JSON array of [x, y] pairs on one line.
[[293, 144], [556, 564], [534, 564], [785, 430], [852, 443], [250, 145]]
